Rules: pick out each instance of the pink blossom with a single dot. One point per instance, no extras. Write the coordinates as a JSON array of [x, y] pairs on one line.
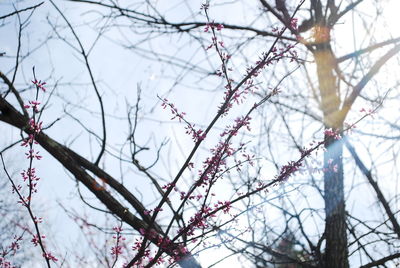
[[39, 84], [293, 23], [35, 126], [332, 133], [31, 154], [5, 264], [34, 105], [35, 240], [117, 250], [50, 256]]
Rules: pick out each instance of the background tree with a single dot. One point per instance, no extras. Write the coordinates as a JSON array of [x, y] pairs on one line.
[[321, 103]]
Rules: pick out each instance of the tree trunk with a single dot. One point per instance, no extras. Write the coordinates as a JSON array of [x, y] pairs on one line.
[[336, 251], [335, 216]]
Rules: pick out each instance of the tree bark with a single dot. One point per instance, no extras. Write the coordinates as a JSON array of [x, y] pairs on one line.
[[335, 216], [336, 250]]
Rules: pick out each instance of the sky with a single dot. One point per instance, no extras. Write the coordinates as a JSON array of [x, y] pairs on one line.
[[119, 73]]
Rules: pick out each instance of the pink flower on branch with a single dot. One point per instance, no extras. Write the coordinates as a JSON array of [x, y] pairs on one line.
[[15, 244], [332, 133], [35, 126], [6, 264], [34, 105], [31, 154], [39, 84], [36, 241], [212, 25], [50, 256], [29, 141], [288, 170], [293, 23], [116, 250], [197, 134]]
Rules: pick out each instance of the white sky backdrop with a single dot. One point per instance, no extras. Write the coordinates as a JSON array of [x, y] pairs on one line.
[[121, 71]]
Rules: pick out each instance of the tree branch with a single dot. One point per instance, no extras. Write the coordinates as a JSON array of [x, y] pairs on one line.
[[382, 261], [372, 72], [375, 186], [21, 10]]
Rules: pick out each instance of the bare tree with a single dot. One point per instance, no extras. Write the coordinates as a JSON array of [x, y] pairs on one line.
[[255, 58]]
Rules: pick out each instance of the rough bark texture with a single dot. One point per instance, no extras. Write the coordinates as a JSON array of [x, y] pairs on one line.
[[336, 251], [335, 222]]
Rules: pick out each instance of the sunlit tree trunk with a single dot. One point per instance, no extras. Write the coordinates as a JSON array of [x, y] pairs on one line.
[[336, 251]]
